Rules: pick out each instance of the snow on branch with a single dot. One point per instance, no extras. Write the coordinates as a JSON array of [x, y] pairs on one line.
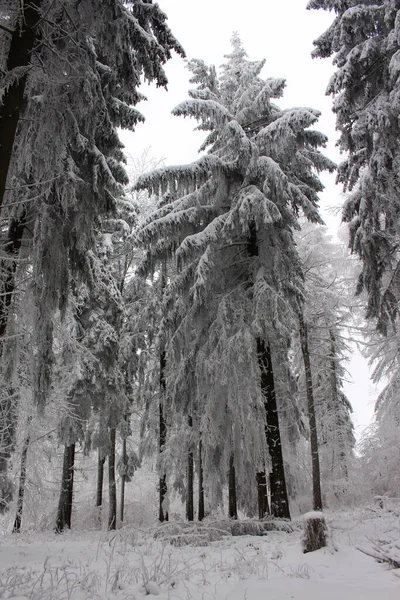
[[193, 244], [201, 109], [173, 179]]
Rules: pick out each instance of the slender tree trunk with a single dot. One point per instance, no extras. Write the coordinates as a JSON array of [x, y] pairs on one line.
[[23, 40], [190, 478], [232, 489], [279, 497], [8, 418], [163, 489], [67, 485], [22, 480], [262, 489], [100, 479], [112, 486], [316, 478], [201, 484], [123, 480], [335, 401]]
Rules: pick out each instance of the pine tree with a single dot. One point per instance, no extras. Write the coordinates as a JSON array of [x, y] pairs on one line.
[[363, 39], [229, 219]]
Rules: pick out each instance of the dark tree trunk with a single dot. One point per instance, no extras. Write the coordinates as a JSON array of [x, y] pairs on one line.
[[123, 480], [22, 43], [316, 478], [262, 489], [201, 485], [190, 478], [100, 479], [232, 489], [279, 497], [67, 485], [163, 489], [112, 486], [22, 480]]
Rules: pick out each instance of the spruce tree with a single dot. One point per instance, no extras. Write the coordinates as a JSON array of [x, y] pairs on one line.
[[363, 40], [229, 219]]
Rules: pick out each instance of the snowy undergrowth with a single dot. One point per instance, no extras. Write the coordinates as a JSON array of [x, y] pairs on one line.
[[131, 564]]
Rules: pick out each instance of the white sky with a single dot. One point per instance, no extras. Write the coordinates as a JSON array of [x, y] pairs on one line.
[[282, 32]]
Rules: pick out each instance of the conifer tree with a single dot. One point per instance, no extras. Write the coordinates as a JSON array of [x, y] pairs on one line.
[[229, 219], [363, 40]]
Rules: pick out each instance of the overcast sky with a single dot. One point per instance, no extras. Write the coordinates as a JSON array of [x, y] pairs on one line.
[[282, 32]]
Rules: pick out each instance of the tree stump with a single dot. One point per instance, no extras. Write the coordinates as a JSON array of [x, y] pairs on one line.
[[315, 532]]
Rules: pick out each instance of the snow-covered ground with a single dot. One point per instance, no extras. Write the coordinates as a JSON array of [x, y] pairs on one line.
[[130, 564]]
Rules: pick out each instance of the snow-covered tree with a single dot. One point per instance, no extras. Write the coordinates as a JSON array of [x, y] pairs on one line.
[[364, 42], [229, 220]]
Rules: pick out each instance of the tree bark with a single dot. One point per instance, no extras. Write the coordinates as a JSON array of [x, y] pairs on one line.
[[279, 497], [163, 488], [66, 493], [263, 506], [100, 479], [201, 485], [23, 41], [316, 478], [22, 481], [190, 478], [112, 486], [123, 480], [335, 399], [232, 489]]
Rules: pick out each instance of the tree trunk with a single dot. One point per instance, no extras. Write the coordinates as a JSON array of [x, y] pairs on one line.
[[316, 478], [163, 489], [23, 41], [263, 507], [22, 480], [279, 497], [201, 485], [232, 489], [112, 486], [335, 399], [100, 479], [67, 485], [123, 480], [190, 477]]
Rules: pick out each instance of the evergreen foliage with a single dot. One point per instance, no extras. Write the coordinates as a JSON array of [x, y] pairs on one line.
[[229, 220], [364, 41]]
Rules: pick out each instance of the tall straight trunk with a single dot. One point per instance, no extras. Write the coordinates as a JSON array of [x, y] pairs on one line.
[[123, 480], [262, 492], [279, 496], [335, 399], [190, 478], [67, 485], [201, 514], [163, 489], [100, 478], [112, 486], [22, 481], [316, 478], [8, 419], [232, 489], [23, 40]]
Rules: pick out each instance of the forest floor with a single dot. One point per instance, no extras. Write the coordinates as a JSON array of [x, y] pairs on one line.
[[130, 564]]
